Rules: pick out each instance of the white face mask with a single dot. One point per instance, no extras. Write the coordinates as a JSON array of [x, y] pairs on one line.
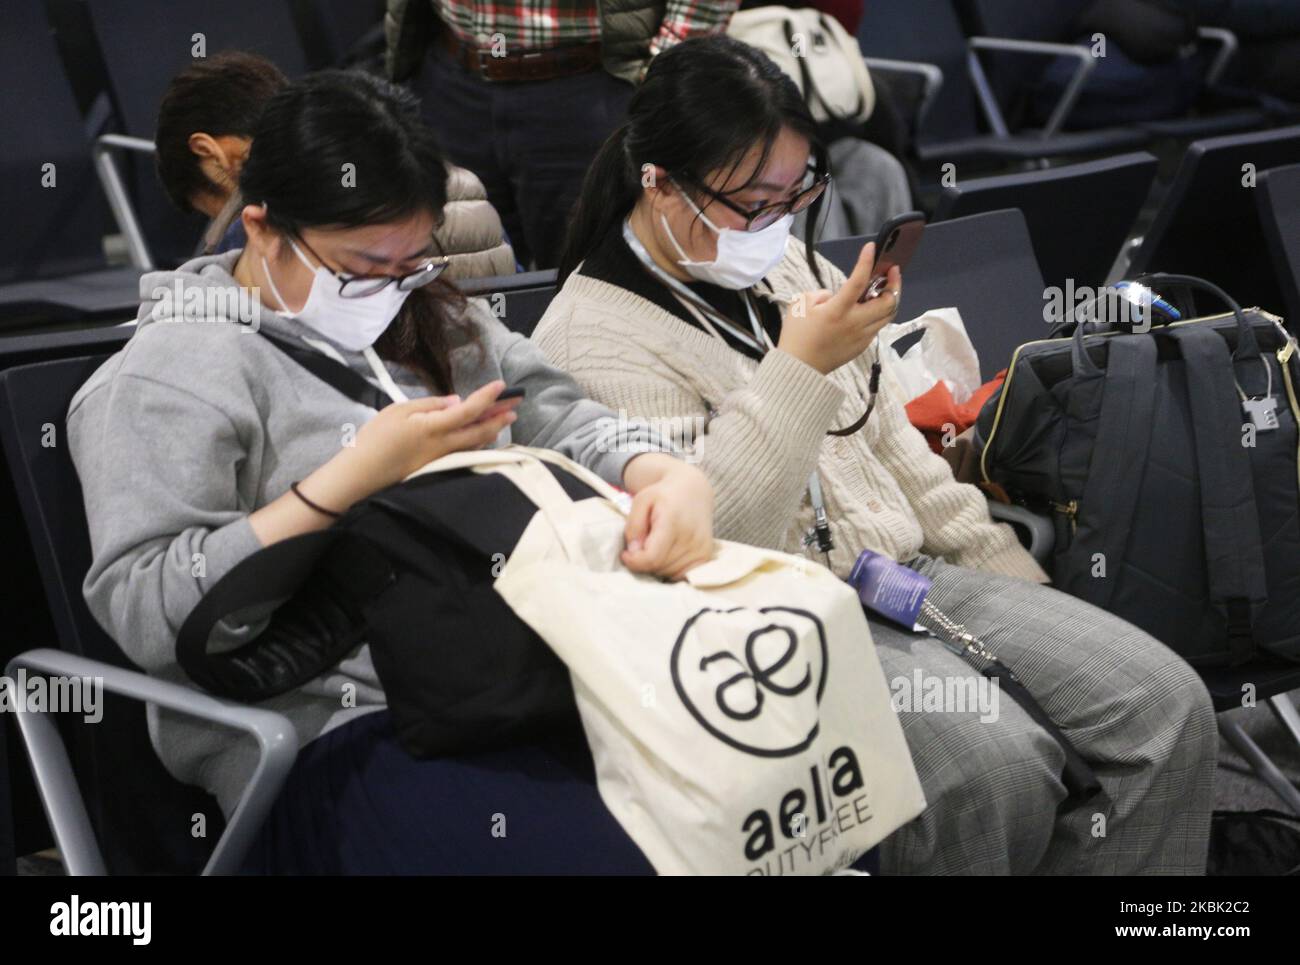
[[743, 257], [353, 323]]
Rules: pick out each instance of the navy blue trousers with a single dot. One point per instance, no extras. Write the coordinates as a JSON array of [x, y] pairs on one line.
[[356, 803]]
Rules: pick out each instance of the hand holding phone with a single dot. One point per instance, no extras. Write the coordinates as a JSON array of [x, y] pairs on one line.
[[895, 244], [828, 329]]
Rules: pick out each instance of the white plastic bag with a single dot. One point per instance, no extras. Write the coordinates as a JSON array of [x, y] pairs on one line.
[[944, 353]]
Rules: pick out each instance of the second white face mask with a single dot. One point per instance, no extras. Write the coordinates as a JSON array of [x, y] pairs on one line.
[[743, 257], [352, 323]]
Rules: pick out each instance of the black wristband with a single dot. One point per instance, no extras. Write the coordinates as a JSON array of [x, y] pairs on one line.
[[293, 488]]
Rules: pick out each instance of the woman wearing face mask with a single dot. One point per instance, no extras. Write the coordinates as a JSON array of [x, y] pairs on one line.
[[204, 440], [682, 299]]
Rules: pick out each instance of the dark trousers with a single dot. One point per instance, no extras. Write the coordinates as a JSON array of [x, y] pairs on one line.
[[356, 803], [530, 143]]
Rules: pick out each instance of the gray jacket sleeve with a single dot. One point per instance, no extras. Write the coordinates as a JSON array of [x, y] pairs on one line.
[[555, 414], [164, 515]]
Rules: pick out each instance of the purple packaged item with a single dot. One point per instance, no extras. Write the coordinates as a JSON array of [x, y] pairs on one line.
[[890, 589]]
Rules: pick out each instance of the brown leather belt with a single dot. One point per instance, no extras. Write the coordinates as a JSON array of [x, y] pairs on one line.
[[523, 65]]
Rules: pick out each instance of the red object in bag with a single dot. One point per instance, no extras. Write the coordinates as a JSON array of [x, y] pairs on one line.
[[934, 411]]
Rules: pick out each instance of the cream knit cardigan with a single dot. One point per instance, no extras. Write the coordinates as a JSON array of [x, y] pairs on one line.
[[766, 425]]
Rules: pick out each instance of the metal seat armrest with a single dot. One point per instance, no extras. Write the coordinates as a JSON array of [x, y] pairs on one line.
[[931, 80], [1228, 45], [110, 179], [1087, 63], [1042, 535], [275, 735]]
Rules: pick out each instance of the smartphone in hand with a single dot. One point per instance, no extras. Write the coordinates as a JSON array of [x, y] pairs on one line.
[[895, 244]]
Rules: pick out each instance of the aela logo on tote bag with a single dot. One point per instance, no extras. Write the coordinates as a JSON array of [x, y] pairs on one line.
[[765, 701], [772, 673]]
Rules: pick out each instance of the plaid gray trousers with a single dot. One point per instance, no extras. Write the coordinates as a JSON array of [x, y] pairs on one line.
[[1135, 710]]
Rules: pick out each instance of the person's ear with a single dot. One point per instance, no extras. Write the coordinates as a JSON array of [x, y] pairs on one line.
[[261, 236], [660, 189], [214, 161]]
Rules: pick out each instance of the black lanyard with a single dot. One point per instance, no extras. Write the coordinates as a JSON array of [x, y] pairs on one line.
[[760, 341]]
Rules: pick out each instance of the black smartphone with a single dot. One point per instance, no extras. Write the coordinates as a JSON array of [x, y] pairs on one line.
[[512, 392], [895, 245]]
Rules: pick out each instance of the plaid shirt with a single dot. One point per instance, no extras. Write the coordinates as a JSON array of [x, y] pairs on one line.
[[543, 24]]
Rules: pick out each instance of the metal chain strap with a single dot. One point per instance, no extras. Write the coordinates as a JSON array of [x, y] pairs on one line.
[[957, 633]]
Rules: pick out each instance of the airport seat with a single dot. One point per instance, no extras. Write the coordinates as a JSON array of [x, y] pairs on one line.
[[1012, 77], [53, 220], [136, 817], [950, 130], [27, 615], [1079, 215], [103, 296], [144, 43], [52, 264], [519, 301], [984, 266], [1208, 224], [1279, 212]]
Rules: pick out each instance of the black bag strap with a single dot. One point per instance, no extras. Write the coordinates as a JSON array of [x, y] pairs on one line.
[[1080, 780], [1234, 554], [332, 372], [308, 636], [1110, 496]]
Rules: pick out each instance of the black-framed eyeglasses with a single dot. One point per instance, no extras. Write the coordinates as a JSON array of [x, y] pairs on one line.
[[769, 214], [359, 286]]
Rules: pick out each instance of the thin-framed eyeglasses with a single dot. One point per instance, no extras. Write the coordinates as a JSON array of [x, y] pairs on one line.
[[359, 286], [757, 220]]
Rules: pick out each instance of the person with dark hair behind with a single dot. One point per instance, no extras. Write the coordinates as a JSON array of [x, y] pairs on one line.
[[203, 441], [205, 130], [205, 127]]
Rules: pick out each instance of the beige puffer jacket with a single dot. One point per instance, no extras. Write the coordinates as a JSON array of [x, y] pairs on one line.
[[471, 232]]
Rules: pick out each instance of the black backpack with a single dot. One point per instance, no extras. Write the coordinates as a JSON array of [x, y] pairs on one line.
[[1134, 444], [410, 571]]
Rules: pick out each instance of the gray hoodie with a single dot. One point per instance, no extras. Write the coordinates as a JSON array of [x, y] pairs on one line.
[[199, 421]]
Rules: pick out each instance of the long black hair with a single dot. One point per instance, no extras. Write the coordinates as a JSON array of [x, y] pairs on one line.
[[703, 105], [340, 149]]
